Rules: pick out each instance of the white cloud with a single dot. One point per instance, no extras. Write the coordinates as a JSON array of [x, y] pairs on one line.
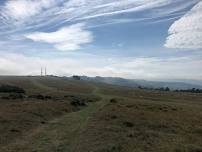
[[65, 39], [186, 33], [19, 10], [140, 68]]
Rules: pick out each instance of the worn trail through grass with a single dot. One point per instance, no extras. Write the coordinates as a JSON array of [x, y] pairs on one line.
[[61, 134]]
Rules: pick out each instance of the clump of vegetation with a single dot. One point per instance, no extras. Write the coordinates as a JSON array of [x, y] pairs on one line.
[[76, 77], [11, 89], [193, 90], [128, 124], [14, 96], [113, 117], [40, 97], [113, 100], [81, 100], [85, 98], [157, 89], [76, 101]]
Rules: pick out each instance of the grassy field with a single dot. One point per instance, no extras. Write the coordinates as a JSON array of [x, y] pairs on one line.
[[112, 119]]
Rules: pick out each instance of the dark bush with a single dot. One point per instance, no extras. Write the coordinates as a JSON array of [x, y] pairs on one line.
[[14, 96], [78, 103], [5, 97], [128, 124], [157, 89], [48, 97], [76, 77], [15, 130], [40, 97], [85, 99], [113, 100], [193, 90], [113, 117], [11, 89]]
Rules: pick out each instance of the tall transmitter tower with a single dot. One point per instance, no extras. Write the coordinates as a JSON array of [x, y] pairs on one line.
[[43, 71]]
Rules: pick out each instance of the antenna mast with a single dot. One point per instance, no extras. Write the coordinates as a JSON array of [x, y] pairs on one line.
[[41, 71], [45, 71]]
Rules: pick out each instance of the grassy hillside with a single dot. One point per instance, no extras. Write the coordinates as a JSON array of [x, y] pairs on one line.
[[80, 116]]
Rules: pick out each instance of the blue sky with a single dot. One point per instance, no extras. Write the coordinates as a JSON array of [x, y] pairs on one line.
[[138, 39]]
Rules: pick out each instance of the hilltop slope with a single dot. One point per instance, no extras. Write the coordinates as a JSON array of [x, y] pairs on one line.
[[113, 118]]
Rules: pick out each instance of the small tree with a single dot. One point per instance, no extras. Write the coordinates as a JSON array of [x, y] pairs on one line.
[[167, 89], [76, 77]]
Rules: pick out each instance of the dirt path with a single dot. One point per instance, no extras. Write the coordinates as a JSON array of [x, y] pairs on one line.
[[60, 135]]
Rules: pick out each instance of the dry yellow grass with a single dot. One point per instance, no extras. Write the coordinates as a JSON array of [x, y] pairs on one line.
[[134, 121]]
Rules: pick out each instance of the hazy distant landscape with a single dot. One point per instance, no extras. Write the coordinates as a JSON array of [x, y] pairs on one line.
[[173, 85]]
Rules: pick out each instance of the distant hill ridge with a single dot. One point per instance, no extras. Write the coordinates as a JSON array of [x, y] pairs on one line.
[[143, 83]]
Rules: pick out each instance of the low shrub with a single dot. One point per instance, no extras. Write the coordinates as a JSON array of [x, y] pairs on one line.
[[11, 89], [40, 97], [14, 96]]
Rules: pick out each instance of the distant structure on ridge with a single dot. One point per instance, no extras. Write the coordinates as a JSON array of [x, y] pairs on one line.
[[43, 71]]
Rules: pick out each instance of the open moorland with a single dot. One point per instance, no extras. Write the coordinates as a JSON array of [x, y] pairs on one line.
[[54, 114]]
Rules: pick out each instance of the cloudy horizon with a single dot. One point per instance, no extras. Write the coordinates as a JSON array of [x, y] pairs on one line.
[[136, 39]]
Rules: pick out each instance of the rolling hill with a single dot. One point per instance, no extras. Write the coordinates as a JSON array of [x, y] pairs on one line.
[[56, 114], [175, 85]]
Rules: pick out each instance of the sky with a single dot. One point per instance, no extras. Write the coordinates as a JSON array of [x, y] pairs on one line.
[[136, 39]]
